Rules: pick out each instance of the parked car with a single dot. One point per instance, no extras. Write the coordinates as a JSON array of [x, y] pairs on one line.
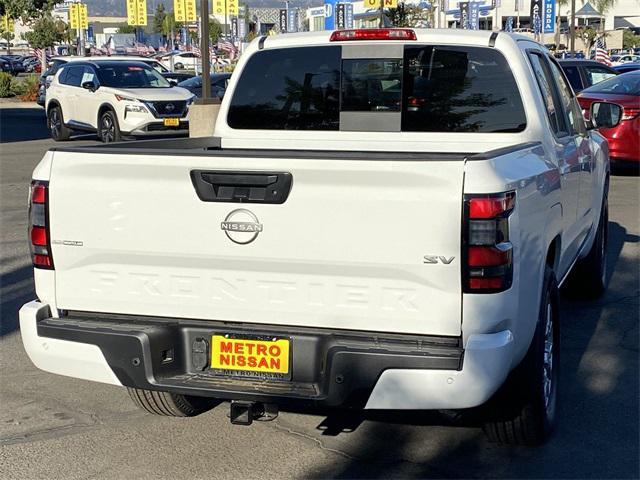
[[622, 59], [16, 65], [242, 266], [584, 73], [218, 84], [181, 60], [115, 99], [175, 77], [58, 62], [627, 67], [623, 90], [5, 66]]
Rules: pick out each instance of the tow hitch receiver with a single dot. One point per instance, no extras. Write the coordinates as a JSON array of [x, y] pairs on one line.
[[244, 413]]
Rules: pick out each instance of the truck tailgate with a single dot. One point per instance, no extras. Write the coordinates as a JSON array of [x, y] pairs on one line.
[[345, 250]]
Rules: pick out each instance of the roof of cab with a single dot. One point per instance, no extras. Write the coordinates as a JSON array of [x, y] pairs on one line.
[[430, 35]]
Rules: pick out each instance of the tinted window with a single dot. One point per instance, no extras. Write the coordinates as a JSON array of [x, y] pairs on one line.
[[73, 76], [55, 66], [545, 82], [126, 75], [157, 65], [371, 85], [569, 104], [597, 74], [627, 84], [292, 88], [573, 75], [459, 89]]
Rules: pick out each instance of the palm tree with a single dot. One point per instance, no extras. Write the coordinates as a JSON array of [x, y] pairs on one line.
[[559, 3]]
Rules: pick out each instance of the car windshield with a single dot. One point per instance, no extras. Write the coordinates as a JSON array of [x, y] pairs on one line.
[[626, 84], [131, 75], [158, 66]]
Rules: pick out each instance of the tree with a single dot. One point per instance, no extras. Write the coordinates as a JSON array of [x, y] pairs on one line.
[[215, 30], [588, 36], [26, 10], [126, 28], [158, 19], [604, 5], [410, 15], [630, 39], [45, 32], [169, 24], [8, 36]]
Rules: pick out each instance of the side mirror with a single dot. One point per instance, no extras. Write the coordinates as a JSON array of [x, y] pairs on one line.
[[89, 86], [604, 114], [173, 82]]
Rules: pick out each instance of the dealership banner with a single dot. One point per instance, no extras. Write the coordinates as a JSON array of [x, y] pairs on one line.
[[349, 15], [535, 13], [340, 20], [292, 21], [549, 19], [234, 27], [464, 15], [474, 16], [282, 20]]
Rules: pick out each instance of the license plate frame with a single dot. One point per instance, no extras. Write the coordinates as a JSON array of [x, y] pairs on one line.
[[236, 372], [171, 122]]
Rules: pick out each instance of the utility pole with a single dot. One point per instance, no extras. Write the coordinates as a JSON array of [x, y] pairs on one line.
[[381, 23], [204, 50], [80, 33], [572, 29]]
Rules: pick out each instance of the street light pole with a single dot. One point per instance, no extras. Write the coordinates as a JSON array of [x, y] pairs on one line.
[[204, 51], [381, 23]]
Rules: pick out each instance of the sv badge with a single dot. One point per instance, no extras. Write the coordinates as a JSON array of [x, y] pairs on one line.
[[435, 259]]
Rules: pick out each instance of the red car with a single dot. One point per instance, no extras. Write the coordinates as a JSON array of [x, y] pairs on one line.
[[624, 90]]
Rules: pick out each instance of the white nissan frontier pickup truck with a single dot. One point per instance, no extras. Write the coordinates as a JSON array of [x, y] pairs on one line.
[[382, 221]]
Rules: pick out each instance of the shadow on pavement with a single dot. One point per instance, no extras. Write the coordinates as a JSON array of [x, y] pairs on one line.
[[16, 289], [22, 124], [597, 433]]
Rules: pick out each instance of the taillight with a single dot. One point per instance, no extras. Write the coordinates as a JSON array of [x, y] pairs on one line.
[[487, 251], [373, 34], [39, 237], [630, 113]]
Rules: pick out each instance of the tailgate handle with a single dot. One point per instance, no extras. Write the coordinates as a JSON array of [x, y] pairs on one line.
[[241, 187]]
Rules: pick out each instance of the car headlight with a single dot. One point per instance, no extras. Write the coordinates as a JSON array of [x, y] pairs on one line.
[[136, 109], [191, 100]]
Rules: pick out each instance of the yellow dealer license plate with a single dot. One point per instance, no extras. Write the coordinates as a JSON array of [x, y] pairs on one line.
[[248, 357], [171, 122]]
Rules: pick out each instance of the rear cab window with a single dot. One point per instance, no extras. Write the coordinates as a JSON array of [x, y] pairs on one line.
[[428, 88]]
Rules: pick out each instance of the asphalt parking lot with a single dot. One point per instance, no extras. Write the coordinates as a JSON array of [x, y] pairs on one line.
[[60, 428]]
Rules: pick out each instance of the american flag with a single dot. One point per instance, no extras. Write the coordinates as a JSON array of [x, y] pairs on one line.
[[38, 53], [228, 47], [600, 51]]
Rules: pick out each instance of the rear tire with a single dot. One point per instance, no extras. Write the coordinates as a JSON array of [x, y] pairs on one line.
[[55, 122], [523, 411], [588, 279], [109, 130], [168, 404]]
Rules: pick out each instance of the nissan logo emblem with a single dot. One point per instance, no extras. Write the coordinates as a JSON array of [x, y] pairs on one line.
[[241, 226]]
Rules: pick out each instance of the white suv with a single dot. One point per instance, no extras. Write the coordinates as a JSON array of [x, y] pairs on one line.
[[116, 99]]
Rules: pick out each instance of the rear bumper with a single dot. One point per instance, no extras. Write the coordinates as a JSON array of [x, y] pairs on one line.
[[328, 367]]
